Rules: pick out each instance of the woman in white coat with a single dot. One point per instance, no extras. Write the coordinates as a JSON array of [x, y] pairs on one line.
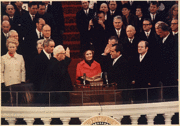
[[12, 68]]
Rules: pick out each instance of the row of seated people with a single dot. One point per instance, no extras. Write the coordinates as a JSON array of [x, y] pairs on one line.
[[97, 29], [142, 68]]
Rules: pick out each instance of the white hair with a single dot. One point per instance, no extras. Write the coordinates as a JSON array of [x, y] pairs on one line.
[[11, 32], [58, 49], [131, 27], [40, 41]]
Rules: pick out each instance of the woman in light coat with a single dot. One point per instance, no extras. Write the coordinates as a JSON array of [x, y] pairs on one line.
[[12, 68]]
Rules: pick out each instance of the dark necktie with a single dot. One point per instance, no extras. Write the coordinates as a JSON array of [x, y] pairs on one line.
[[39, 34], [33, 17]]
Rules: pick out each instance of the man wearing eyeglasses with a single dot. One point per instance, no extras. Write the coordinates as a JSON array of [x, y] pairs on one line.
[[57, 78], [148, 35]]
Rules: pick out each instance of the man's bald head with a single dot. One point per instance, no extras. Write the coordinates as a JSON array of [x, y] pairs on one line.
[[10, 10], [5, 26], [5, 18], [130, 31], [46, 31]]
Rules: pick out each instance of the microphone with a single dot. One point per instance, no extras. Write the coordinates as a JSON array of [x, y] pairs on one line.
[[84, 78], [105, 75]]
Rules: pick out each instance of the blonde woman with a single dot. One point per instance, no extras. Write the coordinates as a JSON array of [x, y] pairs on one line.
[[12, 68]]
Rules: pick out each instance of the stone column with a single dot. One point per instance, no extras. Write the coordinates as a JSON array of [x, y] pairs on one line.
[[11, 121], [134, 119], [29, 121], [46, 121], [65, 120], [150, 119], [168, 117]]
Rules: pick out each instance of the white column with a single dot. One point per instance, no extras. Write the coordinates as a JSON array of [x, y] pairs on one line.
[[11, 121], [118, 118], [134, 119], [29, 121], [150, 118], [65, 120], [168, 117], [82, 119], [46, 121]]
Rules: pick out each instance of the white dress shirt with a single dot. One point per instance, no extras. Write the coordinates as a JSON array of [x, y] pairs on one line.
[[86, 11], [141, 57], [164, 39], [6, 34], [118, 32], [147, 33], [47, 54], [115, 60], [131, 40], [174, 33], [31, 16], [38, 33], [12, 69], [153, 16]]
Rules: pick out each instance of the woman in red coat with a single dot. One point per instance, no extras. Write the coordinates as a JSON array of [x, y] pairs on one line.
[[88, 66]]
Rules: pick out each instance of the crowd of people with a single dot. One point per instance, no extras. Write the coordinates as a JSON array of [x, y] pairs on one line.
[[134, 42]]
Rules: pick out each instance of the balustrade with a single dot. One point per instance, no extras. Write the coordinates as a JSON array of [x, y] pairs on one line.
[[168, 109]]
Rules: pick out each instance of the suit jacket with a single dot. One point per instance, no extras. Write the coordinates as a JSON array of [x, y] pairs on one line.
[[168, 60], [3, 44], [56, 77], [112, 32], [129, 50], [27, 25], [38, 68], [144, 72], [118, 72], [151, 40], [82, 20]]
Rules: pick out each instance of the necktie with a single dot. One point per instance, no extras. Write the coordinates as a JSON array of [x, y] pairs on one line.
[[49, 56], [118, 33], [33, 17], [147, 34], [39, 34], [131, 41]]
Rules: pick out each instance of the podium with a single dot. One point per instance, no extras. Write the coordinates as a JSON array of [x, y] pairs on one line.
[[94, 93]]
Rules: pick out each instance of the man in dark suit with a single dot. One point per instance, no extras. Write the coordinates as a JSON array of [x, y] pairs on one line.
[[18, 7], [40, 63], [144, 73], [49, 19], [82, 20], [28, 19], [117, 30], [148, 35], [130, 43], [112, 12], [30, 42], [168, 62], [98, 34], [5, 27], [57, 78], [117, 69], [56, 10], [153, 14], [139, 12]]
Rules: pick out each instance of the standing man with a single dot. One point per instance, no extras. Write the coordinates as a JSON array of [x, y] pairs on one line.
[[46, 31], [5, 27], [56, 77], [40, 63], [168, 62], [144, 72], [117, 69], [118, 30], [82, 20]]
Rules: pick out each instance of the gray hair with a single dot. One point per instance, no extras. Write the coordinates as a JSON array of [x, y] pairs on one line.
[[117, 17], [58, 49], [46, 42], [11, 32], [131, 27], [41, 41]]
